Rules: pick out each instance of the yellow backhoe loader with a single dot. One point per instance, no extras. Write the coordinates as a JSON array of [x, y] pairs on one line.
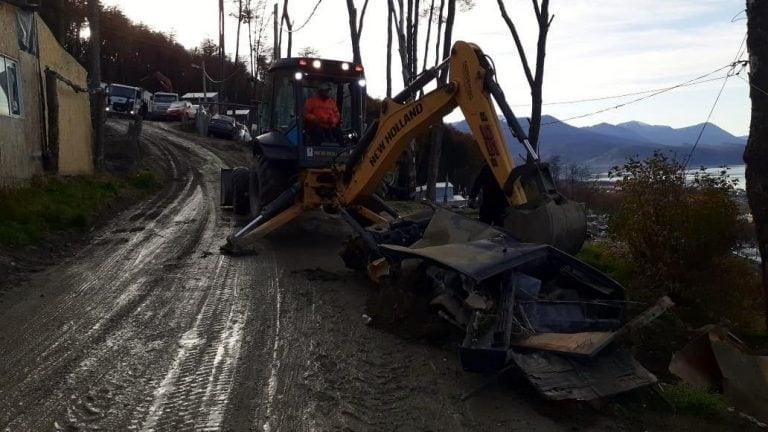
[[505, 287]]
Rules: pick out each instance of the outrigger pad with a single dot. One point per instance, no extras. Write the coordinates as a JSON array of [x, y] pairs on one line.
[[233, 249]]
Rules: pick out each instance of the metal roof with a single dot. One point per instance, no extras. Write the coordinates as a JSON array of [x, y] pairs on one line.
[[199, 95]]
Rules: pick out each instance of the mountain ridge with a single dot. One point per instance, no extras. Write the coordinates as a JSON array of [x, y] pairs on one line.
[[604, 145]]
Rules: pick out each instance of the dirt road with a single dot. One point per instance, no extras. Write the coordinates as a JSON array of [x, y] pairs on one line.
[[149, 327]]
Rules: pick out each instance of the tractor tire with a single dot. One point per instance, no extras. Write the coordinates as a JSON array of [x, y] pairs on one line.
[[268, 180], [240, 191]]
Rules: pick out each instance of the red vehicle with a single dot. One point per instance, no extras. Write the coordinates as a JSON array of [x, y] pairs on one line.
[[180, 111]]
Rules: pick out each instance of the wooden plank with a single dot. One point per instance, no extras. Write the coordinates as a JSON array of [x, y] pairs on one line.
[[583, 344]]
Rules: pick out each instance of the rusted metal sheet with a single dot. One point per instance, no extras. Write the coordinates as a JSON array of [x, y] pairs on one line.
[[717, 358], [559, 377]]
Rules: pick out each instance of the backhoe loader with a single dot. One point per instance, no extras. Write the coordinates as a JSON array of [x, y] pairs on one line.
[[501, 285]]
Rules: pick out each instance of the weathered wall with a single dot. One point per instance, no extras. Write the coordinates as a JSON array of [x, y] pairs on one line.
[[75, 145], [20, 137]]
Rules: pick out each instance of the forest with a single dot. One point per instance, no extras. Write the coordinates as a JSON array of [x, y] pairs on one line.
[[133, 54]]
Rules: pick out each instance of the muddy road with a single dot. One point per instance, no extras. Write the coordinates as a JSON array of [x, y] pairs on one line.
[[149, 327]]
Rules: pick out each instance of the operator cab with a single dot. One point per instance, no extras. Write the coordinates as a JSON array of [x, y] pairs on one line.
[[313, 111]]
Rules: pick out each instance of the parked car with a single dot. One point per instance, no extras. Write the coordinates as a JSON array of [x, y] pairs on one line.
[[180, 111], [222, 126]]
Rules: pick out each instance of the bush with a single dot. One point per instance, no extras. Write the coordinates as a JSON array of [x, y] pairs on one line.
[[673, 229]]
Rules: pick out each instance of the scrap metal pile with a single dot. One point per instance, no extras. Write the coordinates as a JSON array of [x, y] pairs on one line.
[[522, 305]]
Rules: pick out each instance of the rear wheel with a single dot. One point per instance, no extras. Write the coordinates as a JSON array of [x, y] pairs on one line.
[[268, 180], [240, 191]]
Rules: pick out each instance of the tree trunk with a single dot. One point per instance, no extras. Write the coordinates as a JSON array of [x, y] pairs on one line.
[[538, 80], [94, 83], [429, 33], [390, 17], [756, 152], [352, 11], [287, 20], [439, 32], [535, 81], [275, 37], [415, 40], [237, 37], [436, 149]]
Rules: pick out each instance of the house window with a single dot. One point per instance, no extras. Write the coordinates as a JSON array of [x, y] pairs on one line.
[[10, 88]]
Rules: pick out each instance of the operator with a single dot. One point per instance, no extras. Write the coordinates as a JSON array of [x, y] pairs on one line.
[[493, 201], [321, 116]]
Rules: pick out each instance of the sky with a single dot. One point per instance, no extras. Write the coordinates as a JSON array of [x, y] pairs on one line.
[[595, 48]]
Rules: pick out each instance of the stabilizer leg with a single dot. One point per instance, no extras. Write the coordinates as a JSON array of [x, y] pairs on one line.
[[279, 212]]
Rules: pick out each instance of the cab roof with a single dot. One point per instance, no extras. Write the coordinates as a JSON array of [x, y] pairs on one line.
[[319, 67]]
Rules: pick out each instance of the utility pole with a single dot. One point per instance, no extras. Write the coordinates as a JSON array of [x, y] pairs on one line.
[[756, 152], [276, 50], [222, 55], [94, 82], [200, 119]]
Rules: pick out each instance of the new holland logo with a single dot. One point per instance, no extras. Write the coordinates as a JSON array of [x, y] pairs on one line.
[[393, 132]]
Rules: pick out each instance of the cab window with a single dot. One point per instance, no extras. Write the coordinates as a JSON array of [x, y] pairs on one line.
[[284, 114]]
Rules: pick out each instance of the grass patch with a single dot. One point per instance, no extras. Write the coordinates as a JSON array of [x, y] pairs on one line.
[[695, 402], [607, 260], [56, 204]]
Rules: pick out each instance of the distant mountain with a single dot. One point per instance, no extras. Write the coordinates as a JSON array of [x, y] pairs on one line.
[[712, 136], [604, 145]]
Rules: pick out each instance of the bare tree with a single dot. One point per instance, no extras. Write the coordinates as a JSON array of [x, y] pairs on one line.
[[390, 13], [438, 131], [756, 153], [536, 79], [429, 31], [289, 26], [239, 22], [261, 26], [356, 28]]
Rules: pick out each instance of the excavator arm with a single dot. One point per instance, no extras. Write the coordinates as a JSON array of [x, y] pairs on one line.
[[400, 121], [537, 213]]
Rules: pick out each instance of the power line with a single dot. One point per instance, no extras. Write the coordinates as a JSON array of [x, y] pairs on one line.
[[308, 18], [575, 101], [717, 99], [656, 93], [222, 80]]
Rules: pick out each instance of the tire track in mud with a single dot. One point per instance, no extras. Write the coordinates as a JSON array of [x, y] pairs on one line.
[[149, 314]]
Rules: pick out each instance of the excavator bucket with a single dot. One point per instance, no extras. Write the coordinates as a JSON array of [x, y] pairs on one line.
[[548, 217], [560, 224]]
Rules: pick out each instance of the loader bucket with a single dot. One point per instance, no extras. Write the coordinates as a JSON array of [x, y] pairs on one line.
[[548, 217], [562, 225]]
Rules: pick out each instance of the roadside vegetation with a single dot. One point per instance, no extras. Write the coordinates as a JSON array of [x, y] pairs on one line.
[[676, 236], [52, 205]]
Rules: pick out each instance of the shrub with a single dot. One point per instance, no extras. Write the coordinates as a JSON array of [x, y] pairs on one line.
[[673, 229]]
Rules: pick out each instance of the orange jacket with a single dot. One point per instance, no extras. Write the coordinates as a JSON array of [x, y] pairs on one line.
[[321, 112]]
